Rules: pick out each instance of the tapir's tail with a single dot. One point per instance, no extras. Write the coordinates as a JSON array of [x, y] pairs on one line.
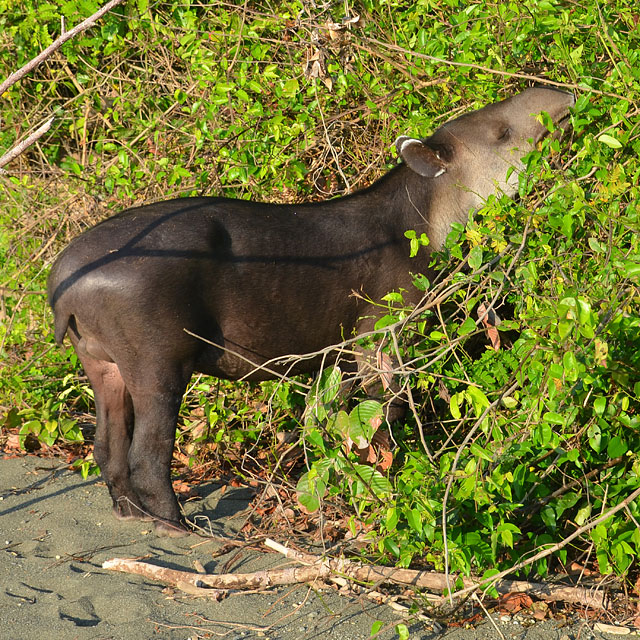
[[60, 317], [61, 323]]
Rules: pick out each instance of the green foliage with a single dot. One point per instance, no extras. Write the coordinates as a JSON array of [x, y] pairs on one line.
[[327, 430], [507, 450]]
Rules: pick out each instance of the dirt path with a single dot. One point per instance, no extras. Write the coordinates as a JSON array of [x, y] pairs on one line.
[[56, 529]]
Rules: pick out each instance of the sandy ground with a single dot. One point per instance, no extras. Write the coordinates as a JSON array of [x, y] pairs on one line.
[[56, 530]]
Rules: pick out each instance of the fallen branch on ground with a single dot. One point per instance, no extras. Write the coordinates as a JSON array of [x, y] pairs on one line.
[[322, 569], [209, 584]]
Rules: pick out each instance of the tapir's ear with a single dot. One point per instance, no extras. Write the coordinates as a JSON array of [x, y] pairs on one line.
[[420, 158]]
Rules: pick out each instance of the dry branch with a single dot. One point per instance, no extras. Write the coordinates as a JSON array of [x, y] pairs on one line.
[[26, 143], [54, 46], [434, 581], [318, 568], [225, 581]]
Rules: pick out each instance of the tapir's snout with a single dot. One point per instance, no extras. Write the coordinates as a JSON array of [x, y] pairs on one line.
[[563, 115], [531, 102]]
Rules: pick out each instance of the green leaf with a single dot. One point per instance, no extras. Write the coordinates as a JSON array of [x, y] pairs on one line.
[[415, 242], [475, 257], [391, 520], [616, 447], [594, 433], [506, 530], [610, 141], [315, 437], [596, 246], [583, 515], [478, 451], [454, 405], [570, 365], [373, 479], [291, 88], [573, 455], [565, 502], [553, 417], [631, 269], [394, 296], [599, 405], [576, 54], [310, 490], [385, 321], [544, 434], [490, 588], [478, 399], [340, 423], [467, 327], [403, 631], [415, 520], [327, 386], [548, 516], [391, 546]]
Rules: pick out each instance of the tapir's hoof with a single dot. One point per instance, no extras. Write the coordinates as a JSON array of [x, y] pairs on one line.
[[166, 529], [130, 512]]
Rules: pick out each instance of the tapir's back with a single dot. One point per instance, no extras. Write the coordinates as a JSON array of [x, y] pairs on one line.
[[268, 279]]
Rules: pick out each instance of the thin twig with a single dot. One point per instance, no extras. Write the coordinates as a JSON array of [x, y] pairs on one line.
[[487, 614], [556, 547], [479, 67], [55, 45]]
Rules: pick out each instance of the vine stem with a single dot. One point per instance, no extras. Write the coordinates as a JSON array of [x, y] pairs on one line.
[[499, 72]]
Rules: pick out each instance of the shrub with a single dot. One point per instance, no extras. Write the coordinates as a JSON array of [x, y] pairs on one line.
[[506, 449]]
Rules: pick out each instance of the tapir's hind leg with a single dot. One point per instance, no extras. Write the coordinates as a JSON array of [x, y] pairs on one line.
[[114, 429], [136, 415]]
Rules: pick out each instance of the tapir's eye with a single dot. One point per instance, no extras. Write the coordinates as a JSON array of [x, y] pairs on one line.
[[504, 133]]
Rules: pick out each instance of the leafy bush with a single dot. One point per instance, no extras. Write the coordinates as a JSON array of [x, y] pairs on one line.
[[505, 450]]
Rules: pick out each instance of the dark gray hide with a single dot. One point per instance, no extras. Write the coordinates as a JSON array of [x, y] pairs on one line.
[[261, 280]]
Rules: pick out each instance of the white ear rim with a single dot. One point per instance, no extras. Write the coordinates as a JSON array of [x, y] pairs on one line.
[[404, 141]]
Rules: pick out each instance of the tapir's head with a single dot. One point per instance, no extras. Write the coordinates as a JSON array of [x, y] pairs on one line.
[[469, 158]]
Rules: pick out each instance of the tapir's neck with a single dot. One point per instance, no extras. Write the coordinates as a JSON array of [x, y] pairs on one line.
[[425, 205]]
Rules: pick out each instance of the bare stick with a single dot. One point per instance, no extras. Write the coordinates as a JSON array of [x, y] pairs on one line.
[[54, 46], [318, 568], [27, 142], [182, 579]]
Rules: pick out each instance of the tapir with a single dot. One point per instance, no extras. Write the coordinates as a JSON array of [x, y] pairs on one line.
[[225, 287]]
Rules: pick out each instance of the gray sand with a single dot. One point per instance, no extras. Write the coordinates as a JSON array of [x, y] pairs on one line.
[[56, 530]]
